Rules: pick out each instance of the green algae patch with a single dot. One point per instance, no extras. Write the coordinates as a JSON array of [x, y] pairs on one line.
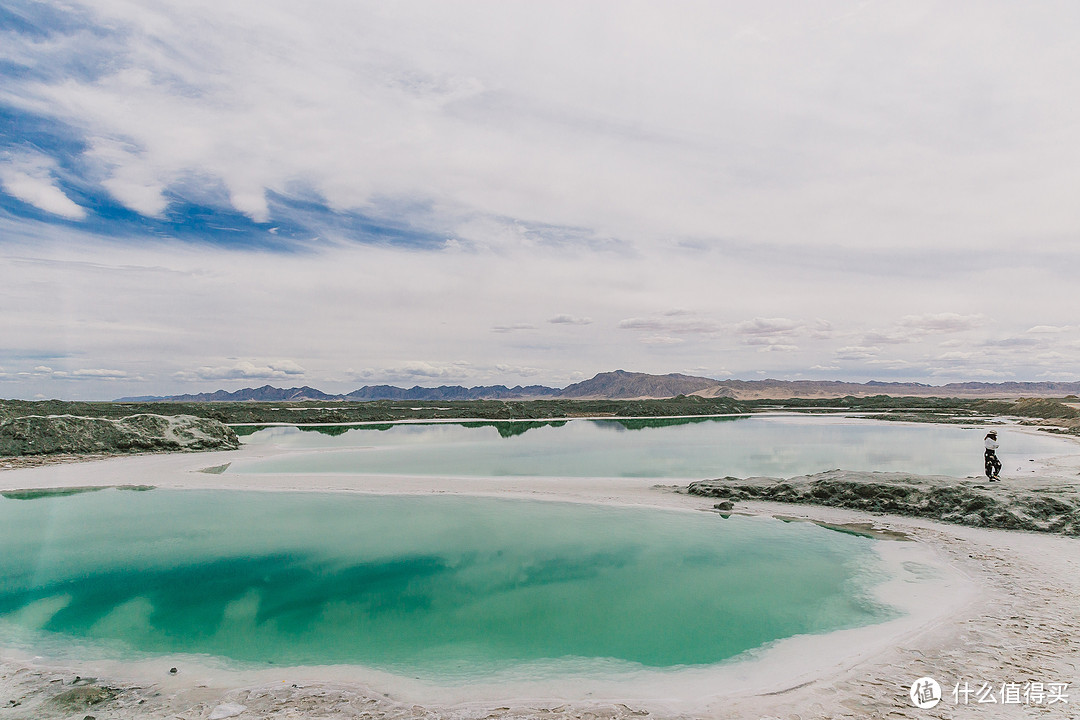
[[38, 493]]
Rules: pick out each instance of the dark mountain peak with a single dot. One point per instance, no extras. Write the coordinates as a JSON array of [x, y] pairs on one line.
[[620, 384]]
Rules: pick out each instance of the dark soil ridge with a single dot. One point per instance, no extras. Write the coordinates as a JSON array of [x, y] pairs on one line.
[[49, 435], [1049, 509]]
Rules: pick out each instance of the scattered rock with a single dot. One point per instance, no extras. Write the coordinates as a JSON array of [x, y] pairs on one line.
[[725, 505], [227, 710], [84, 696], [173, 671]]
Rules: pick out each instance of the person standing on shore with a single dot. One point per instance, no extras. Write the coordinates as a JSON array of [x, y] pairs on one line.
[[993, 465]]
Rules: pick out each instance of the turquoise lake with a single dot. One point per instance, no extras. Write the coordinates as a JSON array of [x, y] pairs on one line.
[[769, 445], [431, 587]]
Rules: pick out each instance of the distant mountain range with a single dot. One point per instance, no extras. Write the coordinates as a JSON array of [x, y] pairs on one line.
[[622, 385]]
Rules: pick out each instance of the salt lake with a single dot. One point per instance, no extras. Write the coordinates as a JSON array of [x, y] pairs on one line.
[[690, 448]]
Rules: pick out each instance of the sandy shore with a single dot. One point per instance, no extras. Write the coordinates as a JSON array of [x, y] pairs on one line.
[[983, 607]]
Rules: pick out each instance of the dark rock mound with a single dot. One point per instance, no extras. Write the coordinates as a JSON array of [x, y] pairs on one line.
[[55, 434], [936, 498], [84, 696]]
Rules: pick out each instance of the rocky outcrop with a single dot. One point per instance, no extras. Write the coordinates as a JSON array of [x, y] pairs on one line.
[[629, 385], [58, 434], [1053, 508]]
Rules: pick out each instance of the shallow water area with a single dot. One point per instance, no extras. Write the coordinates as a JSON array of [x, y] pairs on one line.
[[774, 445], [450, 590]]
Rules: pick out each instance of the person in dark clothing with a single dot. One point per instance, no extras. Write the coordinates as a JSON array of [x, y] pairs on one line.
[[993, 465]]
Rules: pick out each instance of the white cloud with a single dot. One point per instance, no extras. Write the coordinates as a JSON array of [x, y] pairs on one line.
[[1049, 329], [1059, 376], [30, 178], [251, 203], [244, 370], [516, 327], [611, 132], [98, 373], [518, 370], [660, 340], [1012, 342], [976, 373], [662, 325], [890, 363], [417, 370], [767, 326], [942, 322], [46, 372], [821, 330], [569, 320], [857, 352], [456, 372], [132, 181], [890, 337]]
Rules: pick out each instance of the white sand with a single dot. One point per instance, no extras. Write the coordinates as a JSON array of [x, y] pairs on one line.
[[983, 606]]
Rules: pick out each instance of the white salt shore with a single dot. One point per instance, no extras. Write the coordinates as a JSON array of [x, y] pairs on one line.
[[985, 607]]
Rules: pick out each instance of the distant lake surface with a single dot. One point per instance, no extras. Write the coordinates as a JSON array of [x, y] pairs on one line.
[[769, 445]]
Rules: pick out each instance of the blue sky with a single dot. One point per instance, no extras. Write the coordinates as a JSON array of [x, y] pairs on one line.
[[199, 195]]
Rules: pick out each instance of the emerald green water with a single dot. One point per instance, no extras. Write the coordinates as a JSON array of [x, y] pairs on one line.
[[776, 446], [424, 586]]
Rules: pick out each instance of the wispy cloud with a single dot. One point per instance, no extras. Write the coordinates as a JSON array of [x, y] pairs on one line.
[[516, 327], [431, 104], [1012, 342], [767, 327], [415, 370], [569, 320], [244, 370], [857, 352], [942, 322], [456, 372], [1049, 329], [675, 324], [97, 373], [661, 340], [30, 177], [44, 371]]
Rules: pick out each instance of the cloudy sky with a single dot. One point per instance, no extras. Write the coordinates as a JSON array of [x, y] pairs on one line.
[[202, 194]]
